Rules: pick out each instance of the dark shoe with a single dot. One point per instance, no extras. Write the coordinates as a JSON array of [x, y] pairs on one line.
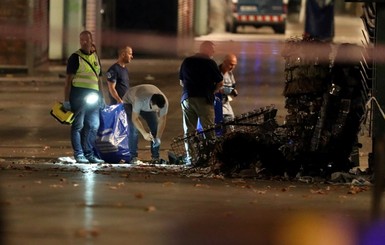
[[81, 159], [93, 159], [155, 161]]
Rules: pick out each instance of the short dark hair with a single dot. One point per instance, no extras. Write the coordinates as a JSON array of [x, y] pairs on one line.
[[85, 32], [123, 50], [158, 99]]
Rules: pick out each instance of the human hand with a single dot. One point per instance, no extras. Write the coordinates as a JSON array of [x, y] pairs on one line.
[[234, 93], [66, 106], [102, 103], [156, 142], [227, 89], [148, 137]]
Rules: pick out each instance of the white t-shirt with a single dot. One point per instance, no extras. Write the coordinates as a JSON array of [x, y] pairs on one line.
[[140, 96], [229, 81]]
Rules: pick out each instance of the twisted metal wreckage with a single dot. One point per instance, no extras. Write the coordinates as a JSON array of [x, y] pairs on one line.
[[327, 88]]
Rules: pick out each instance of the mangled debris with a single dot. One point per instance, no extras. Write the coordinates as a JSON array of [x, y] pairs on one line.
[[325, 97]]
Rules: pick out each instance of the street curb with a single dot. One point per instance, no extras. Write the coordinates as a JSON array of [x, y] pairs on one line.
[[56, 73]]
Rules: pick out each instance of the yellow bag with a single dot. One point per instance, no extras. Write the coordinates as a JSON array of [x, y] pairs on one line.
[[58, 112]]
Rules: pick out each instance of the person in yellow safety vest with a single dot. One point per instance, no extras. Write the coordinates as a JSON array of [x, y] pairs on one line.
[[84, 97]]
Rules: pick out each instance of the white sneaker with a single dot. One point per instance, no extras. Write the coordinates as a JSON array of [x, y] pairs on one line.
[[187, 161], [136, 161], [67, 159]]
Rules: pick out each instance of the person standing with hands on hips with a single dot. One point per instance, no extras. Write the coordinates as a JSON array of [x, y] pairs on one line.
[[117, 76], [200, 78], [145, 101], [84, 97]]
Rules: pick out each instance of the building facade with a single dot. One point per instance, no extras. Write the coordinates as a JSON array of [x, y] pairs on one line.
[[23, 35]]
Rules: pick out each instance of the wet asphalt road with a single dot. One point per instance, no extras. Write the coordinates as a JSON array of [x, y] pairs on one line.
[[104, 204], [47, 202]]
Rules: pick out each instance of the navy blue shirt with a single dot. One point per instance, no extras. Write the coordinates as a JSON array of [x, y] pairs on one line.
[[199, 75], [118, 75]]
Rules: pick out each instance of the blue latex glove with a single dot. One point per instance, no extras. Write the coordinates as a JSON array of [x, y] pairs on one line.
[[66, 106], [227, 90], [156, 142]]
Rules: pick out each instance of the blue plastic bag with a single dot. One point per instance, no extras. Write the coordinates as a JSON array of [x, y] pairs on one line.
[[112, 137]]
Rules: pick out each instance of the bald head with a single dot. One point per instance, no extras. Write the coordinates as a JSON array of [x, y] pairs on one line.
[[123, 50], [229, 63], [207, 48], [125, 55], [86, 41], [230, 58]]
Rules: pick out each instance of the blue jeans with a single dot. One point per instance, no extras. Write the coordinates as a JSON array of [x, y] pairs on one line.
[[85, 125], [151, 118]]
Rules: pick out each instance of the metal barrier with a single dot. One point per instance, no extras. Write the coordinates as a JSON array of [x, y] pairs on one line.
[[202, 149]]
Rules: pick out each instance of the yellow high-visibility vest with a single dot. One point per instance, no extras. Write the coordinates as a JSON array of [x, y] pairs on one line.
[[85, 76]]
